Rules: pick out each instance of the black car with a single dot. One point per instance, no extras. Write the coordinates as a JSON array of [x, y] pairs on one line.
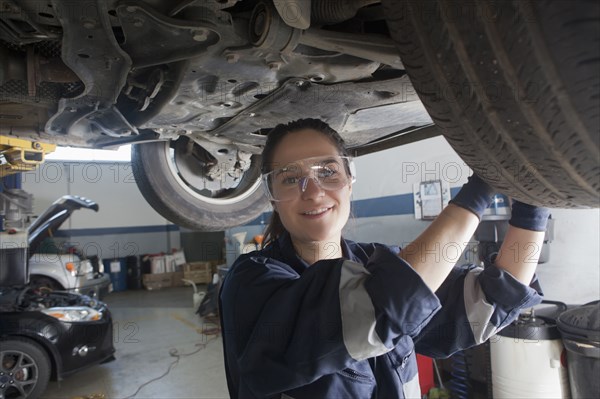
[[44, 333], [49, 335], [197, 85]]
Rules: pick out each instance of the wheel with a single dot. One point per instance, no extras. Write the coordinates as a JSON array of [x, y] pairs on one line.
[[514, 87], [25, 369], [44, 283], [175, 181]]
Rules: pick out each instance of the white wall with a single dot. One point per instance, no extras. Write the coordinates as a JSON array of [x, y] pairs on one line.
[[112, 186], [573, 273], [394, 171]]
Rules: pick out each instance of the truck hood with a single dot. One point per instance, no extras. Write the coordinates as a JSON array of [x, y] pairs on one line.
[[52, 218]]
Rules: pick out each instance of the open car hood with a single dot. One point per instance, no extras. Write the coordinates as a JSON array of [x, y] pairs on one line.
[[53, 217]]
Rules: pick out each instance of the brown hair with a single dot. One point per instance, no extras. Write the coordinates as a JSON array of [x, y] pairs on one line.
[[275, 227]]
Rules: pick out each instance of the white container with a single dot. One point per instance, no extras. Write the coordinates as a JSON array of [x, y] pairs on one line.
[[528, 368], [527, 361]]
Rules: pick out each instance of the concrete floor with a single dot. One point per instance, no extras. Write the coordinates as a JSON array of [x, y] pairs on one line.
[[149, 326]]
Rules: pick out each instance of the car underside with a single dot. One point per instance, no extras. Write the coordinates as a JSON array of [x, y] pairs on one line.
[[197, 85]]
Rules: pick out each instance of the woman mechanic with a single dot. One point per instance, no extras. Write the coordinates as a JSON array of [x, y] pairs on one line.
[[312, 315]]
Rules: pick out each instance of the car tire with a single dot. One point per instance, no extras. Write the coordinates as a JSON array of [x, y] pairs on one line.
[[514, 87], [42, 282], [167, 192], [31, 379]]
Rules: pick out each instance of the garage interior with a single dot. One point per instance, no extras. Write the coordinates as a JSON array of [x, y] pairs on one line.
[[164, 349], [111, 262]]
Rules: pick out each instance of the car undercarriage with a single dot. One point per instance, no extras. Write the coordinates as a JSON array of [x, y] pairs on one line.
[[197, 85]]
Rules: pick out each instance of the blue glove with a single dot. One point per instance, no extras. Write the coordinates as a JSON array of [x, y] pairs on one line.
[[529, 217], [475, 196]]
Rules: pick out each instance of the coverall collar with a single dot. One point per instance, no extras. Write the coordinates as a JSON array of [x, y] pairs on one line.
[[289, 255]]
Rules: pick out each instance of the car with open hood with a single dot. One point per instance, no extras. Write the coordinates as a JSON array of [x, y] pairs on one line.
[[44, 334], [49, 335], [56, 267], [195, 86]]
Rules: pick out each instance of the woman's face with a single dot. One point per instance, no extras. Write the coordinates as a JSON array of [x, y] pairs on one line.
[[315, 215]]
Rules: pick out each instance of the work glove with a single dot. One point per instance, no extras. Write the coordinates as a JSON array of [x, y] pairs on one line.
[[529, 217], [475, 196]]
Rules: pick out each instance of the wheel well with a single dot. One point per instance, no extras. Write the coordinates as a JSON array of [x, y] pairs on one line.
[[55, 281], [44, 345]]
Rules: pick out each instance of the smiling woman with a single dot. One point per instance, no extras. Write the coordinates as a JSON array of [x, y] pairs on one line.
[[316, 212], [294, 146], [312, 314]]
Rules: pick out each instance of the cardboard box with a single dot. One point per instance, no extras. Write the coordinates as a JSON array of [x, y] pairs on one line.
[[198, 276], [196, 266], [201, 272], [157, 281], [176, 280]]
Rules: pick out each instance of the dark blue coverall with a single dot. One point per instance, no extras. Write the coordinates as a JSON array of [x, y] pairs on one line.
[[349, 328]]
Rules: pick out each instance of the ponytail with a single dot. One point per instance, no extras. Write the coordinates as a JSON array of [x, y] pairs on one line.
[[274, 229]]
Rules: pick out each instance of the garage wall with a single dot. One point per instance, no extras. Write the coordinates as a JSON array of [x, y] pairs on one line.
[[384, 212], [124, 225]]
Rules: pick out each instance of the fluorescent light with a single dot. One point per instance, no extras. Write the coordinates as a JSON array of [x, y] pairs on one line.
[[122, 154]]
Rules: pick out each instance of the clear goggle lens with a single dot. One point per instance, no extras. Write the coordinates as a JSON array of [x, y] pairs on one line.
[[330, 173]]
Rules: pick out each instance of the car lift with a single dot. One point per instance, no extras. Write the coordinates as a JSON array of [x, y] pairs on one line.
[[18, 155]]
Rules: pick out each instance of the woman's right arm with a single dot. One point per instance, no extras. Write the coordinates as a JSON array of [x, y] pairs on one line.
[[435, 252]]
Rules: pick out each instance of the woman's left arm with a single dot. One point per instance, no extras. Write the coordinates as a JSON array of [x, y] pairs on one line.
[[476, 302], [522, 245]]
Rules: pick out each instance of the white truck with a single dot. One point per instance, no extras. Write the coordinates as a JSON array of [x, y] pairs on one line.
[[51, 268]]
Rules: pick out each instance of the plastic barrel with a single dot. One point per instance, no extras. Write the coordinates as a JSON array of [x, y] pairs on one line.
[[118, 273], [134, 272], [580, 330], [526, 358]]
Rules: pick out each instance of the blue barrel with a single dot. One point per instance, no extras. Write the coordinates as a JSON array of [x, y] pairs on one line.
[[117, 270]]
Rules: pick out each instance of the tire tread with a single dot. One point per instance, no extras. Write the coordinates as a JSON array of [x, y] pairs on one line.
[[538, 140]]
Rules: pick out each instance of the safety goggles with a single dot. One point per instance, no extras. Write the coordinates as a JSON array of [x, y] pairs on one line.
[[330, 173]]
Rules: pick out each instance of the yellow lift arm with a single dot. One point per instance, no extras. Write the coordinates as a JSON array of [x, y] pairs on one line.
[[18, 155]]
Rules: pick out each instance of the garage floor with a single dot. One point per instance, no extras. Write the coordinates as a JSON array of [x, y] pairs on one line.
[[150, 328]]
